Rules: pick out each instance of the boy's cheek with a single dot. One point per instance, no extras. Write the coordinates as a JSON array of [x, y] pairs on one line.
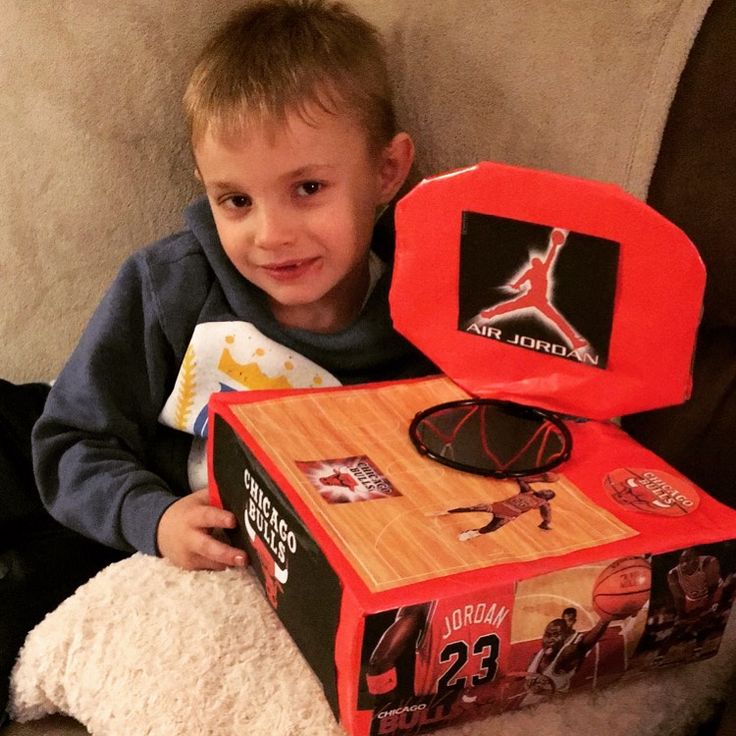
[[233, 241]]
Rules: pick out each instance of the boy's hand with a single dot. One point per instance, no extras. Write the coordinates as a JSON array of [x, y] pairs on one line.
[[184, 535]]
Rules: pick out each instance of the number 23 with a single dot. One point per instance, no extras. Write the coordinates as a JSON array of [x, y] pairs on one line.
[[458, 653]]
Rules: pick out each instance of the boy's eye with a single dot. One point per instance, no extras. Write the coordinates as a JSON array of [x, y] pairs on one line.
[[237, 201], [308, 188]]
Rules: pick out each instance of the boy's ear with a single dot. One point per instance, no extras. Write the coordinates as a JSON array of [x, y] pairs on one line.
[[396, 160]]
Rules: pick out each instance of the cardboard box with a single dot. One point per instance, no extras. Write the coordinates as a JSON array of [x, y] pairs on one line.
[[420, 593]]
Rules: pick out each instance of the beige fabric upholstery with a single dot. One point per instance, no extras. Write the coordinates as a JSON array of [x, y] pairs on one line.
[[95, 159]]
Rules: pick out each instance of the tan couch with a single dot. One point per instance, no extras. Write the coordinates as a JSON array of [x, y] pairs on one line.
[[96, 164]]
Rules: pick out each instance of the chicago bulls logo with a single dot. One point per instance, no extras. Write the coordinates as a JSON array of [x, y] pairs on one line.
[[651, 491], [270, 536]]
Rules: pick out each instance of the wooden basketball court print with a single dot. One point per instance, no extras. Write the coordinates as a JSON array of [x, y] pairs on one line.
[[374, 535]]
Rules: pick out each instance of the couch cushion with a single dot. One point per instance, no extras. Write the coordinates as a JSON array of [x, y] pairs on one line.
[[694, 185]]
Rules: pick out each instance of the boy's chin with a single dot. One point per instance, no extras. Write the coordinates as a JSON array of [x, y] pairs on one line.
[[292, 299], [325, 314]]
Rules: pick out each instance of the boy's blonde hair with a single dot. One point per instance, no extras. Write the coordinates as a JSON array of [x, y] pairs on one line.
[[279, 56]]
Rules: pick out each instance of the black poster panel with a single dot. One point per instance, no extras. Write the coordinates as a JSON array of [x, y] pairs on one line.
[[538, 287], [298, 580]]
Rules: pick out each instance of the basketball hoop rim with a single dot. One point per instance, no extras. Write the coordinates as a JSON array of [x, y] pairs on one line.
[[519, 410]]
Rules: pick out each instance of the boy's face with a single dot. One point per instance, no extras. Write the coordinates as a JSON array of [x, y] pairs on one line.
[[295, 207]]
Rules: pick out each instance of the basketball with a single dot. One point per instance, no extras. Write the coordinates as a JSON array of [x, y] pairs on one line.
[[623, 587]]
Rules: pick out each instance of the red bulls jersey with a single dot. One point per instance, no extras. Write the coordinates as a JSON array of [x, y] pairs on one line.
[[695, 586], [459, 646], [512, 507]]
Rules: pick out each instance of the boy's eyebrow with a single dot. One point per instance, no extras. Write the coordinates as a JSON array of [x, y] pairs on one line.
[[306, 170], [219, 185], [302, 171]]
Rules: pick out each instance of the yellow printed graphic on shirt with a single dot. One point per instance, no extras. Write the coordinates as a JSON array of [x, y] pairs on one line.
[[186, 390], [230, 356], [233, 356]]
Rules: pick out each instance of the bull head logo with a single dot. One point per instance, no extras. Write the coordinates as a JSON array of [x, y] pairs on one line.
[[274, 576]]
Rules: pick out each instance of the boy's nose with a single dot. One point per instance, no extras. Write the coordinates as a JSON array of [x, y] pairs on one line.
[[273, 228]]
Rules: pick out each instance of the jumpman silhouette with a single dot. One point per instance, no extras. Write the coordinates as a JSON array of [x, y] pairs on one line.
[[534, 287]]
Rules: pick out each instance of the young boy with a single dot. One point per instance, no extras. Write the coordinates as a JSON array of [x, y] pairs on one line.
[[274, 282]]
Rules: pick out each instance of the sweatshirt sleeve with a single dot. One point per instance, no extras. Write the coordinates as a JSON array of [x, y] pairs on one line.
[[89, 446]]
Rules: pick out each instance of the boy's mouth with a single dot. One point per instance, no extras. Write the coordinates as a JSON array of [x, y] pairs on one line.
[[290, 270]]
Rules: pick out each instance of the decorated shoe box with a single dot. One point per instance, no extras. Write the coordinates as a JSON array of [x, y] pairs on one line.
[[437, 553]]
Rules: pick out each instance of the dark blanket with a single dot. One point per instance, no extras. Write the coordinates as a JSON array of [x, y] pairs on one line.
[[20, 406], [41, 562]]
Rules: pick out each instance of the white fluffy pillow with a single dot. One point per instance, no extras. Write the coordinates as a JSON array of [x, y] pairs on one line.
[[145, 648]]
